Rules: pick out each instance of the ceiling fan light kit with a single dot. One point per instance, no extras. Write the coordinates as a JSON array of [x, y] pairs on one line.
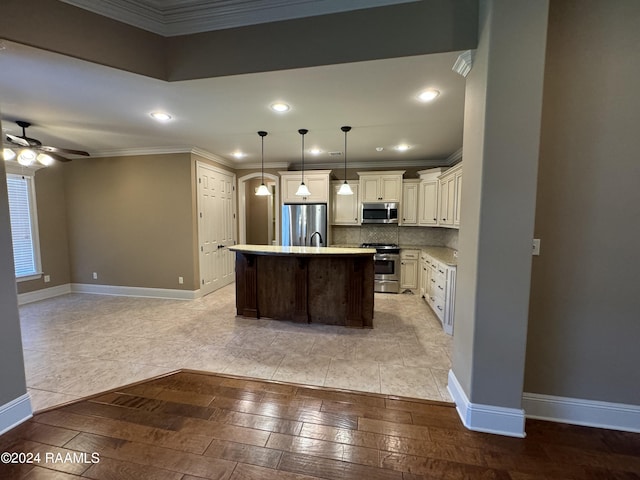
[[31, 150]]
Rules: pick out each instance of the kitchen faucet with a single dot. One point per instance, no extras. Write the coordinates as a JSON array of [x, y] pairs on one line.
[[313, 235]]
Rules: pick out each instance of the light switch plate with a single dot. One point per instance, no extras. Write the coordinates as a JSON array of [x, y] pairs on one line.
[[536, 246]]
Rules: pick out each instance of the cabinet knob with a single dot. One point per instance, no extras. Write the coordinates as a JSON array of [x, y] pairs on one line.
[[435, 219]]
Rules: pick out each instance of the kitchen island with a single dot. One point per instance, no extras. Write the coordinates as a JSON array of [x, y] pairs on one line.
[[305, 284]]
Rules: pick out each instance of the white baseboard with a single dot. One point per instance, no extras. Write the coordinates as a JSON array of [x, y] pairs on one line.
[[123, 291], [43, 294], [486, 418], [15, 412], [590, 413]]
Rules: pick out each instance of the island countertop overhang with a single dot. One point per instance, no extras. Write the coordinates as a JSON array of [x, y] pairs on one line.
[[302, 251]]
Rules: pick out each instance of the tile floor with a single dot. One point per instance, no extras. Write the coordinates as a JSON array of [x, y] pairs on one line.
[[79, 344]]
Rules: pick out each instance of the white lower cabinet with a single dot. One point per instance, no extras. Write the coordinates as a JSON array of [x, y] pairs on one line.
[[438, 288], [409, 278]]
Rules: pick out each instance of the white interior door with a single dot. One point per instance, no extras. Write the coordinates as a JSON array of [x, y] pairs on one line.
[[216, 227]]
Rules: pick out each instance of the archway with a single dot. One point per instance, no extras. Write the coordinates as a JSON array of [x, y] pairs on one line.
[[270, 179]]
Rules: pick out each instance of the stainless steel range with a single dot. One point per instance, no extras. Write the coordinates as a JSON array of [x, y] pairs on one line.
[[387, 267]]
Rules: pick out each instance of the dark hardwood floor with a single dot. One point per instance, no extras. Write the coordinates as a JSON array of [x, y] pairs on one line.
[[191, 425]]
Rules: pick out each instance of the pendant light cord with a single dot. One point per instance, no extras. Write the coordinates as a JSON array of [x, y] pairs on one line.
[[262, 135], [303, 132], [345, 129]]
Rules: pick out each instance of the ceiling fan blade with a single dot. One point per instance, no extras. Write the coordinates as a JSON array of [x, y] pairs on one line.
[[64, 150], [17, 140], [57, 157]]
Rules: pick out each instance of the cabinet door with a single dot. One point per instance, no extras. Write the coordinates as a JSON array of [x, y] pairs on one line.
[[345, 208], [409, 274], [369, 188], [446, 201], [409, 204], [317, 185], [390, 188], [428, 206], [424, 277], [458, 197]]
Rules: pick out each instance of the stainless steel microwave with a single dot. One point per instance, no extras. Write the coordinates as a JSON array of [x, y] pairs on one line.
[[380, 212]]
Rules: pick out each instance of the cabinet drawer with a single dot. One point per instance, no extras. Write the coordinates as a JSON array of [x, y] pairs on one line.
[[409, 254], [438, 308]]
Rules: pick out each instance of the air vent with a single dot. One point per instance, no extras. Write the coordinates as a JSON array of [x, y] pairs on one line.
[[335, 154]]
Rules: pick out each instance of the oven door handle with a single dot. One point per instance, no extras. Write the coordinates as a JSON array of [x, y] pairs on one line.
[[386, 256]]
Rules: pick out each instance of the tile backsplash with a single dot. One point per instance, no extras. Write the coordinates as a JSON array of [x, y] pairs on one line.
[[440, 237]]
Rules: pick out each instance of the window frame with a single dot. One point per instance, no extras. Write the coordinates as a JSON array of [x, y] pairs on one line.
[[29, 175]]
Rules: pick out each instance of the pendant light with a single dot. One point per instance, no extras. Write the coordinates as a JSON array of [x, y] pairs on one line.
[[262, 189], [303, 191], [345, 189]]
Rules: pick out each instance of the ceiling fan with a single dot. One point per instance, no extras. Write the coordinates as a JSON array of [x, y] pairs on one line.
[[32, 146]]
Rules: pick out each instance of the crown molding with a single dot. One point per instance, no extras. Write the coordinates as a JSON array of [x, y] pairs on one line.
[[464, 63], [130, 152], [455, 157], [258, 166], [213, 157], [184, 17], [373, 164]]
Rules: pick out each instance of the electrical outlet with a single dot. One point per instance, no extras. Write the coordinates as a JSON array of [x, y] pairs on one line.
[[47, 278], [180, 280], [536, 247], [95, 275]]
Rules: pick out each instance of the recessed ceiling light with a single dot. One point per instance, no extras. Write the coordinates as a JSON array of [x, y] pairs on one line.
[[160, 116], [403, 147], [280, 107], [428, 95], [315, 151], [239, 154], [379, 149]]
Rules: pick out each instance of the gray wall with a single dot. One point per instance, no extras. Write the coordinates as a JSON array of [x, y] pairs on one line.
[[12, 379], [501, 135], [584, 327]]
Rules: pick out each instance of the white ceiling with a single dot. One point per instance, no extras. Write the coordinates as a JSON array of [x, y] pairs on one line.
[[81, 105], [182, 17]]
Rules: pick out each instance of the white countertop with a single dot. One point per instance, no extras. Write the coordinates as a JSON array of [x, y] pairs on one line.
[[280, 250]]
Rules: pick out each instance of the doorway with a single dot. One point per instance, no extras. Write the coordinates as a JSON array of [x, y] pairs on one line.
[[259, 216]]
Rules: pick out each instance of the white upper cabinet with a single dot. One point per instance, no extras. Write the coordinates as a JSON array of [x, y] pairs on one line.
[[381, 186], [450, 189], [409, 204], [428, 197], [345, 209], [316, 180]]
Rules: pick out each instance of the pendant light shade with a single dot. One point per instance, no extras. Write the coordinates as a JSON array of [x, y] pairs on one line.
[[262, 189], [345, 188], [303, 191]]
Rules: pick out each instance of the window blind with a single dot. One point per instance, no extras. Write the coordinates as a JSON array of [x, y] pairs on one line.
[[22, 225]]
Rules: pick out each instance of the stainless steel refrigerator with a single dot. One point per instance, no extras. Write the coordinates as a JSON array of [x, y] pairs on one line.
[[304, 225]]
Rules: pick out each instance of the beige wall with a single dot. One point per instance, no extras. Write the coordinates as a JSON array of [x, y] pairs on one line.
[[256, 214], [52, 228], [131, 220], [584, 327]]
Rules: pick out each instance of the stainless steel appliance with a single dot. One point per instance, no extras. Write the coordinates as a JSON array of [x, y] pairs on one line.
[[304, 225], [380, 212], [386, 263]]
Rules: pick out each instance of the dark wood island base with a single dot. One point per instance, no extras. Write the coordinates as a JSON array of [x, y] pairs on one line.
[[326, 285]]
